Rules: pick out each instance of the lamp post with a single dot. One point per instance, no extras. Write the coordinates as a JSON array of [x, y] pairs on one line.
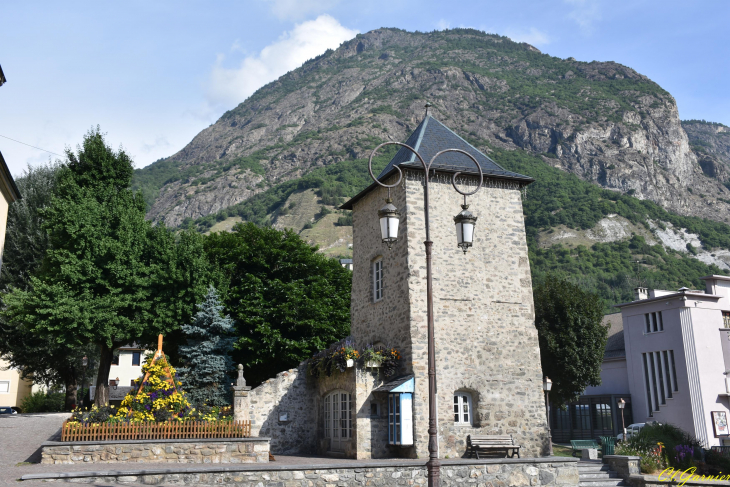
[[465, 222], [621, 406], [546, 386], [85, 363]]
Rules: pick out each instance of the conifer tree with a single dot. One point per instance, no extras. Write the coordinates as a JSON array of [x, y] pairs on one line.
[[206, 359]]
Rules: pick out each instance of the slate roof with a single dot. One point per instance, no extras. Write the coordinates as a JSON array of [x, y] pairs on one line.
[[430, 137], [390, 385], [615, 346]]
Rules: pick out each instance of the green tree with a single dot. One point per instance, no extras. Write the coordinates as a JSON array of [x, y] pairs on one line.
[[108, 277], [26, 241], [572, 337], [206, 359], [37, 355], [288, 300]]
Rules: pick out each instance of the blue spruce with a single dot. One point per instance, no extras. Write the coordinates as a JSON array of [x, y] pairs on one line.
[[206, 360]]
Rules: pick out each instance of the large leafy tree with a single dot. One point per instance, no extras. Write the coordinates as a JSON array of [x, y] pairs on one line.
[[572, 337], [108, 278], [206, 359], [288, 300], [36, 355]]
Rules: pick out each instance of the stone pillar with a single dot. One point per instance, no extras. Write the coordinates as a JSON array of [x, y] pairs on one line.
[[241, 404]]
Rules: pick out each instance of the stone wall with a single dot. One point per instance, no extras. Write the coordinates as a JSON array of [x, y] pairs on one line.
[[486, 341], [547, 472], [289, 393], [218, 450], [624, 466]]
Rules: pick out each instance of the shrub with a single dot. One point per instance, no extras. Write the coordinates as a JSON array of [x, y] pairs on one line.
[[42, 402], [660, 445]]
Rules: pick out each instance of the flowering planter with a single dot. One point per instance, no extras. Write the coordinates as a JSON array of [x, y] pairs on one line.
[[350, 363], [372, 364]]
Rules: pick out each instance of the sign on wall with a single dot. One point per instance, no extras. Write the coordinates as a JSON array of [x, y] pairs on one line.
[[719, 423]]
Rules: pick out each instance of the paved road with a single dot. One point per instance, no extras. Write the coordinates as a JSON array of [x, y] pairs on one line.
[[21, 436]]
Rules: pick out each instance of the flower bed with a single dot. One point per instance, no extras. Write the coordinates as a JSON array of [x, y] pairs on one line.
[[157, 410]]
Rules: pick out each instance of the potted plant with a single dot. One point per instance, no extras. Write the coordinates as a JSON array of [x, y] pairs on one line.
[[372, 358]]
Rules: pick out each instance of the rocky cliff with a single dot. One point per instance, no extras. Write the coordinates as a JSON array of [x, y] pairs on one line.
[[602, 121], [711, 144]]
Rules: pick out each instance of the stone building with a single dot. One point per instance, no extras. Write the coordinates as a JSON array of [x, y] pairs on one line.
[[487, 355]]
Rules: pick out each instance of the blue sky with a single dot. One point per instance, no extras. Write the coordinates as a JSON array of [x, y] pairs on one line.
[[153, 74]]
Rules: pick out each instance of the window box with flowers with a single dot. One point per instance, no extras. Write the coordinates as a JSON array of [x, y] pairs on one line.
[[343, 355]]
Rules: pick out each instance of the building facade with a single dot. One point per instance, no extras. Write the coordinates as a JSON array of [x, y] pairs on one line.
[[487, 353], [125, 369], [13, 388], [676, 352]]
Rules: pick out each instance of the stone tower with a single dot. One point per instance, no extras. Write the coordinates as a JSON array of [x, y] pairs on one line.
[[488, 369]]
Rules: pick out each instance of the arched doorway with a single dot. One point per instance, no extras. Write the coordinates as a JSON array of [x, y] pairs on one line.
[[338, 419]]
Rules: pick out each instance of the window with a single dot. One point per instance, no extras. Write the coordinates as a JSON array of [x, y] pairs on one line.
[[400, 418], [378, 279], [115, 359], [133, 383], [374, 410], [4, 386], [462, 409], [136, 356], [726, 319], [660, 378], [653, 322]]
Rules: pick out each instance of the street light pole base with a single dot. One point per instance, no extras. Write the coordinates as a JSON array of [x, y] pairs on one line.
[[433, 468]]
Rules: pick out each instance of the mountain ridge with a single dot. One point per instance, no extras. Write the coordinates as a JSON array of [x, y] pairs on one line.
[[602, 121]]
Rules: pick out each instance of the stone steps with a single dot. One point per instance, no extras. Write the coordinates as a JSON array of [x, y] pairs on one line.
[[596, 474]]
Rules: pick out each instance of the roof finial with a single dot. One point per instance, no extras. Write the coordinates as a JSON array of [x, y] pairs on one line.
[[428, 105]]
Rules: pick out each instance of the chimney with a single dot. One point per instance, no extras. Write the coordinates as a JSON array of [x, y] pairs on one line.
[[640, 293]]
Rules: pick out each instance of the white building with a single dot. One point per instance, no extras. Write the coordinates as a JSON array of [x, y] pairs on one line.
[[671, 368], [126, 367]]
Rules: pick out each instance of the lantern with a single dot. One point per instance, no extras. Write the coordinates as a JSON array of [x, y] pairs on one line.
[[389, 219], [465, 222]]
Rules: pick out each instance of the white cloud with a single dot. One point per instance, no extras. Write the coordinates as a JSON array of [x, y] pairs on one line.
[[299, 9], [443, 24], [585, 13], [531, 36], [305, 41]]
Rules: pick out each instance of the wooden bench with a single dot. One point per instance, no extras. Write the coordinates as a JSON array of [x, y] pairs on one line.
[[579, 445], [490, 444]]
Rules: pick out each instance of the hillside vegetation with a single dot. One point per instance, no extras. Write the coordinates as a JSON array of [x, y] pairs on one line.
[[556, 198], [604, 143]]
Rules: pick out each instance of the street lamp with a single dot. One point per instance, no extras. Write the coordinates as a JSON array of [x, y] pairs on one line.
[[546, 386], [84, 362], [621, 406], [389, 219], [465, 222]]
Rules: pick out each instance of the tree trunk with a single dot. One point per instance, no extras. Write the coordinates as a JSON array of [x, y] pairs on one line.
[[71, 390], [101, 396]]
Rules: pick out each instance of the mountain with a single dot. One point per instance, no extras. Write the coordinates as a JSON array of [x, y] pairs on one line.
[[710, 142], [621, 195], [602, 121]]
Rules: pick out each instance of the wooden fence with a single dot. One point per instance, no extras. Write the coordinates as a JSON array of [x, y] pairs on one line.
[[170, 430]]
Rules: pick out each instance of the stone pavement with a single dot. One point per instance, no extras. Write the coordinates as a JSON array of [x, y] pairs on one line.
[[22, 434]]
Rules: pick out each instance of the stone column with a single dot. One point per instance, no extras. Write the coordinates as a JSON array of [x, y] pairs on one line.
[[241, 404]]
